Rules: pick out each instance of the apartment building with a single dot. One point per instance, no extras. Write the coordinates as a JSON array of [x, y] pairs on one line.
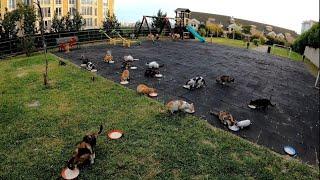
[[93, 11]]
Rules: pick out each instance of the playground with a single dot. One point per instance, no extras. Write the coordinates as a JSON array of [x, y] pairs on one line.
[[293, 121]]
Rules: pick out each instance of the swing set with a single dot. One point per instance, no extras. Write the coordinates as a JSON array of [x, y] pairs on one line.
[[166, 24]]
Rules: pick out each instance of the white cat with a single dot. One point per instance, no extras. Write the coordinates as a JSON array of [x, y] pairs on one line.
[[154, 65]]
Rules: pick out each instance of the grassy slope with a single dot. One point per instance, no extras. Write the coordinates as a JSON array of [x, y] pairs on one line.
[[36, 142], [284, 53], [228, 42]]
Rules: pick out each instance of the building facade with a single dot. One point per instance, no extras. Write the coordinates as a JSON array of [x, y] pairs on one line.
[[93, 11], [306, 25]]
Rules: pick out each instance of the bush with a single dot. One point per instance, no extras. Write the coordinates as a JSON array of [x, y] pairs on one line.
[[237, 35], [309, 38], [256, 42], [259, 35], [202, 32], [274, 40]]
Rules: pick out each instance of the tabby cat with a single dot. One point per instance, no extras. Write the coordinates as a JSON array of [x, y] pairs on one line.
[[143, 89]]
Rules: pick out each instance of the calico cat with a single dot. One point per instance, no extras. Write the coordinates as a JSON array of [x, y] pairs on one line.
[[224, 79], [260, 104], [90, 66], [108, 58], [154, 65], [125, 65], [225, 117], [84, 153], [179, 105], [83, 59], [125, 76], [195, 83], [143, 89], [150, 72]]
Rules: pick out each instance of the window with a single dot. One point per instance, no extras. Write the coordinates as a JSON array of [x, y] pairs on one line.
[[88, 22], [12, 4], [45, 2], [72, 10], [72, 1], [47, 24], [46, 12], [58, 1], [58, 11], [86, 10]]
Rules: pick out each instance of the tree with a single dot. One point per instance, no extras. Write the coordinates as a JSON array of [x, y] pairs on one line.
[[246, 29], [158, 21], [68, 22], [136, 27], [110, 23], [58, 25], [309, 38], [214, 29], [27, 27], [77, 21], [9, 23]]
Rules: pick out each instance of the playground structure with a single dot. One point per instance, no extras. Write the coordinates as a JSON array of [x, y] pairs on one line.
[[166, 23], [114, 41]]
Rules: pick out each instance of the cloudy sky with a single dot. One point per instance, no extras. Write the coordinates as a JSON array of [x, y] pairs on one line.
[[284, 13]]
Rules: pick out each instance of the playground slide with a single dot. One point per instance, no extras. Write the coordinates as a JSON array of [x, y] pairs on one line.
[[195, 34]]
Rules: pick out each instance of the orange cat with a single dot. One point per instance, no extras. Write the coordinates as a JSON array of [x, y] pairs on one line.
[[125, 75], [179, 105], [143, 89]]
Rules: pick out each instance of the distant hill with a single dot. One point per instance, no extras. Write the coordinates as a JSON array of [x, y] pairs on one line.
[[224, 20]]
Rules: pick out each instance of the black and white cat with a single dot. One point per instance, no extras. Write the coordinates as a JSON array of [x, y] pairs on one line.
[[195, 83], [84, 60], [151, 72], [154, 64], [90, 66], [260, 104]]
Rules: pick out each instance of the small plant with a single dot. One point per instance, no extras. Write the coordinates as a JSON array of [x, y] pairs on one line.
[[256, 42], [202, 31]]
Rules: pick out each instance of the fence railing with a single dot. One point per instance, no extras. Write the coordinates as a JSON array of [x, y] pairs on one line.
[[9, 47]]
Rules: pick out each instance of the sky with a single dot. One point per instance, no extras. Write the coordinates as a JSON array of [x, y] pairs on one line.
[[284, 13]]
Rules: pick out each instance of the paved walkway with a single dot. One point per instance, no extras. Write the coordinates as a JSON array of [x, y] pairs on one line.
[[261, 48]]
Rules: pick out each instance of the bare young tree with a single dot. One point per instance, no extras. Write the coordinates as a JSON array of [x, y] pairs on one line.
[[45, 74]]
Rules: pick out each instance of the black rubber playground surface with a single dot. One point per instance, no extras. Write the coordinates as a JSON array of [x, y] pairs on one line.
[[293, 121]]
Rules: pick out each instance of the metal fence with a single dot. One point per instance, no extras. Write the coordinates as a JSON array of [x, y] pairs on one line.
[[10, 47]]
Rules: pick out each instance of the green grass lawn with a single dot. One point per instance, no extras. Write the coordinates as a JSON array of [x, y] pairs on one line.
[[285, 52], [37, 141], [228, 42]]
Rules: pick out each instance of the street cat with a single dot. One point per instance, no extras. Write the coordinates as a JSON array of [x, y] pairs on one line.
[[179, 105], [125, 76], [150, 72], [84, 153], [195, 83], [224, 79], [143, 89], [154, 64], [225, 117], [90, 66], [260, 104]]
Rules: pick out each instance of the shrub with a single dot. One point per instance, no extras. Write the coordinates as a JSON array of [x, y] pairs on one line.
[[308, 38], [259, 35], [274, 40], [202, 31], [237, 35], [256, 42]]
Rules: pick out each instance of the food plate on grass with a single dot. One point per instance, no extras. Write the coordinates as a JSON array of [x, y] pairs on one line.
[[243, 123], [124, 82], [111, 62], [158, 75], [153, 94], [133, 67], [189, 111], [83, 65], [70, 174], [93, 70], [290, 150], [252, 107], [115, 134], [234, 128]]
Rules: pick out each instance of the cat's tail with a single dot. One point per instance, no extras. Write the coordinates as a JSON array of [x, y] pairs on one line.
[[161, 65], [101, 129], [214, 114]]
